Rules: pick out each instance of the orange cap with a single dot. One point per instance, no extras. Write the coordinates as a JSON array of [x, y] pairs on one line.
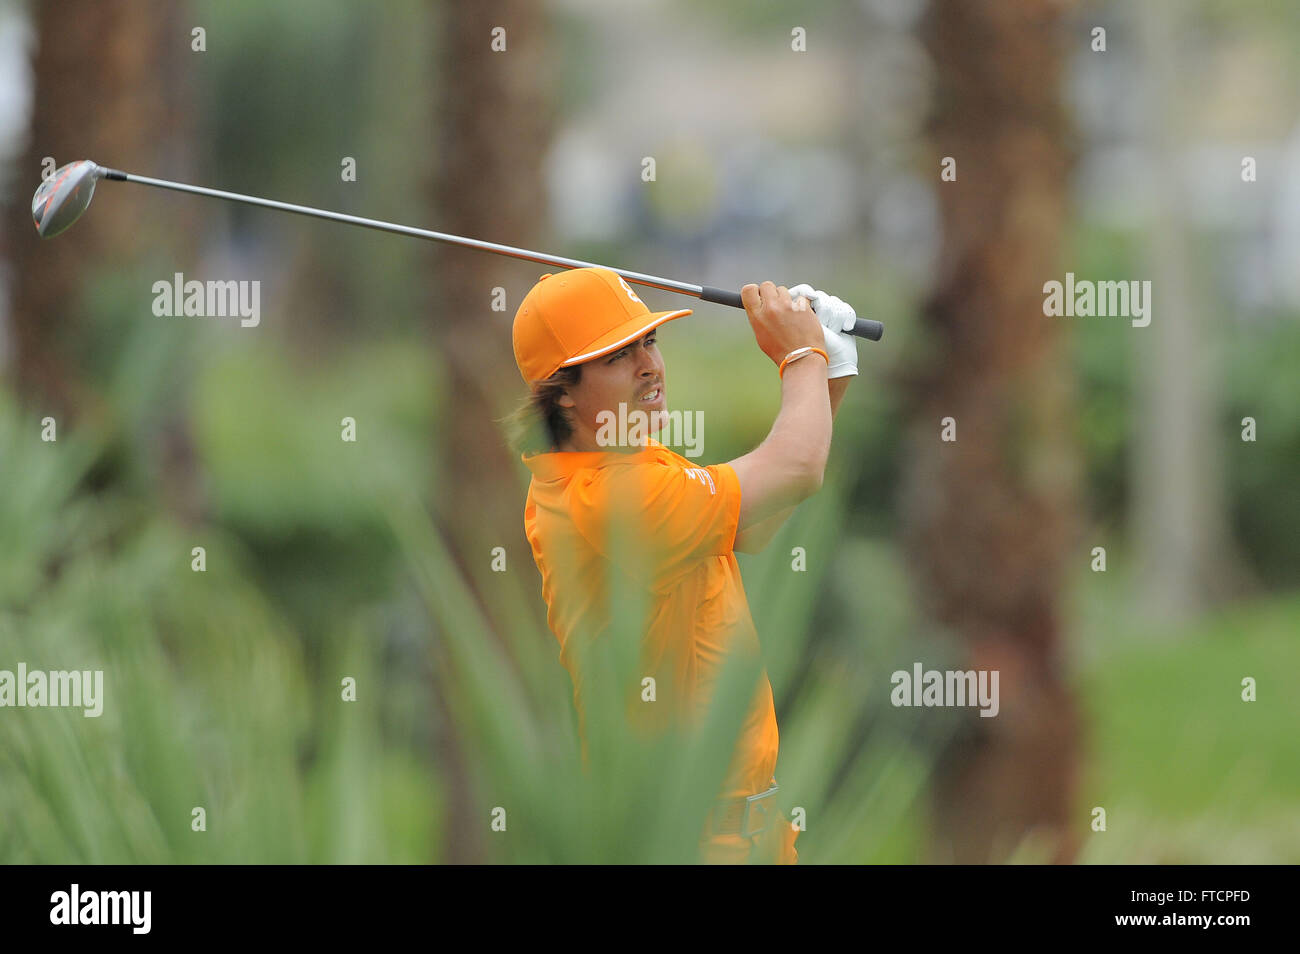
[[578, 315]]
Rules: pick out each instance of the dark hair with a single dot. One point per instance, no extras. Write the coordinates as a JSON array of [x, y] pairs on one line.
[[540, 424]]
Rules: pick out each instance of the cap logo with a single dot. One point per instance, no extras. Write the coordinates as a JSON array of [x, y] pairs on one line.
[[630, 293]]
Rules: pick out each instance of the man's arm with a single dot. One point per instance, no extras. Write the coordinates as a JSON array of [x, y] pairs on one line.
[[756, 538]]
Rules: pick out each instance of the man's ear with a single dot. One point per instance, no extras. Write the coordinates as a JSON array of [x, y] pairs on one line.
[[564, 400]]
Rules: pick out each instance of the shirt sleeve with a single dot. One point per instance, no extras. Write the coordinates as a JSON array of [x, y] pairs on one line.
[[669, 517]]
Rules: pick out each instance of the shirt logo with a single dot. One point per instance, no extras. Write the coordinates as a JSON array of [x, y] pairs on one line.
[[703, 476]]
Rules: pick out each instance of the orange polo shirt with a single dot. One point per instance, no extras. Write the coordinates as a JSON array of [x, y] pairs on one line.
[[685, 521]]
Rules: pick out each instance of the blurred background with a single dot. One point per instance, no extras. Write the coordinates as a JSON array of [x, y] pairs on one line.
[[1121, 688]]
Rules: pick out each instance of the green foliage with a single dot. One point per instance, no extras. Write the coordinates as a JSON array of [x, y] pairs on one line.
[[644, 799], [1187, 771], [218, 695], [272, 473], [214, 699], [208, 700], [1262, 476], [1255, 360], [1103, 364], [292, 82]]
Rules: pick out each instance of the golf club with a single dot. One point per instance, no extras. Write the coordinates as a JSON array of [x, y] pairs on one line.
[[64, 196]]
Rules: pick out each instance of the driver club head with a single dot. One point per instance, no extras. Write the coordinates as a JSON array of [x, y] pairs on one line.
[[60, 199]]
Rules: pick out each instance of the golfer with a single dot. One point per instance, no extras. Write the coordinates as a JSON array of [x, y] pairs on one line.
[[585, 343]]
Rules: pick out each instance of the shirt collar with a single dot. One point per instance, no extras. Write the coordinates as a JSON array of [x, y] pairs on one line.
[[562, 464]]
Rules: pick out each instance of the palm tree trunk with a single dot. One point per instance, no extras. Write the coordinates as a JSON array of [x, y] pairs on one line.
[[990, 519], [494, 128], [107, 87]]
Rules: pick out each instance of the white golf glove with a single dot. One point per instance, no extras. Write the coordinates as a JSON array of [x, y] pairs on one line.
[[836, 317]]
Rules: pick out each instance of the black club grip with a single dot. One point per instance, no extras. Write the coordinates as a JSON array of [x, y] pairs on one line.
[[720, 296], [862, 328], [866, 328]]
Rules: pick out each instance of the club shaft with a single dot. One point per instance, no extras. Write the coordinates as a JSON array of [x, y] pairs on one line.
[[863, 328], [521, 253]]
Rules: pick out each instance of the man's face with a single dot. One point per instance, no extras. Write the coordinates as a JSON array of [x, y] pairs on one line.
[[620, 377]]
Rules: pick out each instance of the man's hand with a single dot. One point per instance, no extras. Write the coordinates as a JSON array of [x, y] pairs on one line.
[[780, 326], [835, 316]]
